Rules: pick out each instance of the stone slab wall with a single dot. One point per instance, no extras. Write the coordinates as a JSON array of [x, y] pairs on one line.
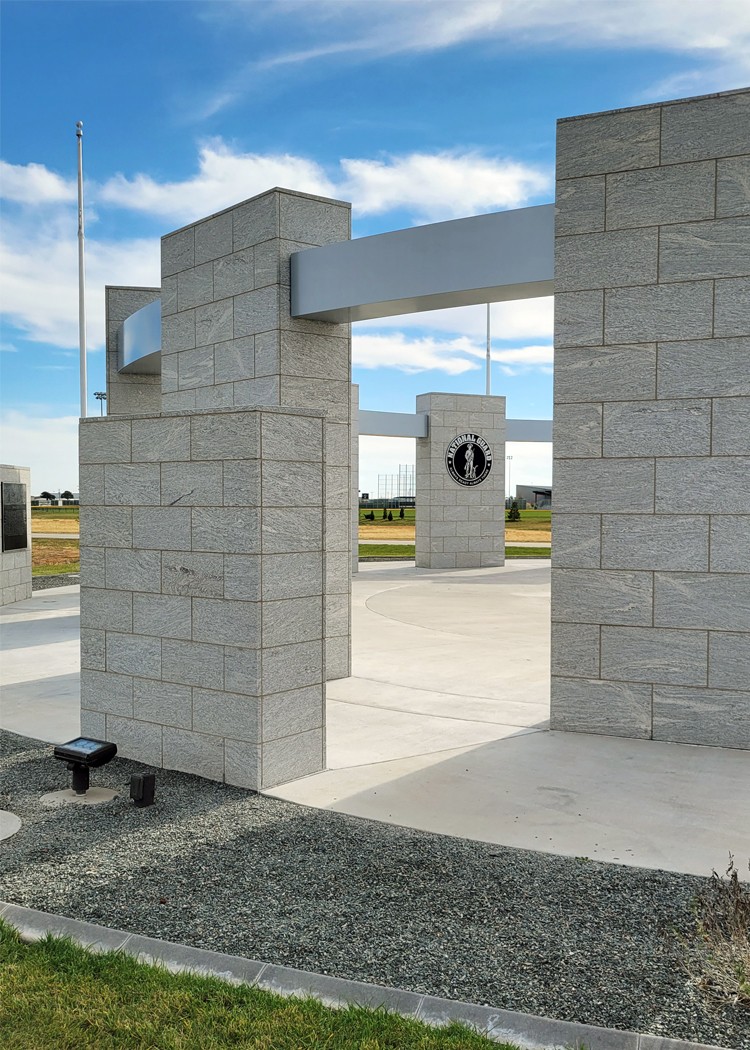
[[229, 340], [203, 590], [460, 527], [355, 478], [15, 566], [127, 394], [651, 521]]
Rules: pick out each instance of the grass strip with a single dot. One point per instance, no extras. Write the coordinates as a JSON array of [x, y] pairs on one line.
[[55, 994], [406, 550], [527, 552], [52, 557], [386, 550]]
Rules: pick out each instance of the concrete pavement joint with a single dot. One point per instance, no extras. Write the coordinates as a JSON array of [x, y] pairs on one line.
[[526, 1030]]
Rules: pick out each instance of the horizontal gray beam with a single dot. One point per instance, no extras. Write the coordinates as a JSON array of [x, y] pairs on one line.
[[485, 258], [394, 424], [416, 425], [528, 430]]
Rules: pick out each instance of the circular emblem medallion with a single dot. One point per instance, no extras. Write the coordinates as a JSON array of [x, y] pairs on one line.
[[468, 459]]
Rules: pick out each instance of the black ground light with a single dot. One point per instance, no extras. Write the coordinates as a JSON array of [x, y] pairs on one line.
[[82, 755]]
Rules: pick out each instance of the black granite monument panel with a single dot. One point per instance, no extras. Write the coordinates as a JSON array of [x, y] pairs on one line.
[[15, 524]]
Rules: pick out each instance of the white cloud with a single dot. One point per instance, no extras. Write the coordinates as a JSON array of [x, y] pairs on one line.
[[34, 184], [452, 356], [381, 455], [422, 25], [38, 261], [223, 178], [521, 319], [428, 186], [46, 444], [39, 274], [713, 33], [531, 462], [394, 350], [440, 185]]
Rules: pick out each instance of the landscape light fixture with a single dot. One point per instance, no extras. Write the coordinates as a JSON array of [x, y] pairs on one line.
[[83, 755], [142, 788], [101, 397]]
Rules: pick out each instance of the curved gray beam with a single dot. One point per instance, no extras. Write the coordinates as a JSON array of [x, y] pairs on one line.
[[139, 342], [485, 258]]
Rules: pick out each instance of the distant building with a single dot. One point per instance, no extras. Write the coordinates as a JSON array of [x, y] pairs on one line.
[[534, 495]]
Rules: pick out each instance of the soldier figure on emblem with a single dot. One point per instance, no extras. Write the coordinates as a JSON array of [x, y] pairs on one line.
[[470, 471]]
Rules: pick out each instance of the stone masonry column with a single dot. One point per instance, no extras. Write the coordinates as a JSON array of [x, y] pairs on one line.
[[229, 340], [215, 526], [651, 512], [460, 479]]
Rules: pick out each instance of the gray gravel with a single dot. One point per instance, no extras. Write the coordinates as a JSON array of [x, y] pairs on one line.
[[63, 579], [219, 868]]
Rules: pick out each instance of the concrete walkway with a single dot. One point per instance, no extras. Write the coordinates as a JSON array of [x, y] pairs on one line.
[[444, 726], [55, 536]]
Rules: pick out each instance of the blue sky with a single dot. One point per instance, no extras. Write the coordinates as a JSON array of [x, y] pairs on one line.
[[414, 110]]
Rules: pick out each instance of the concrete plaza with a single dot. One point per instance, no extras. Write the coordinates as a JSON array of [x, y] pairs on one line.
[[443, 726]]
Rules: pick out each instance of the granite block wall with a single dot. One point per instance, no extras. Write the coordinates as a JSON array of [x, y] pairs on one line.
[[229, 340], [458, 526], [355, 477], [203, 590], [15, 564], [651, 522]]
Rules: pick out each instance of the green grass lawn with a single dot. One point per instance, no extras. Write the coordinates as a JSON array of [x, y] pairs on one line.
[[406, 550], [386, 550], [527, 552], [40, 513], [57, 996], [408, 518]]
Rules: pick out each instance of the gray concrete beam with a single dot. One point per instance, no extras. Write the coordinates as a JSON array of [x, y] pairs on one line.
[[485, 258]]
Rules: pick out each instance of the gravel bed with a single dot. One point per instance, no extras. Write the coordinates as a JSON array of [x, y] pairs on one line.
[[223, 869], [63, 579]]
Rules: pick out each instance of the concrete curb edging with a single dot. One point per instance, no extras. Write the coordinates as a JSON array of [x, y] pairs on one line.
[[526, 1030]]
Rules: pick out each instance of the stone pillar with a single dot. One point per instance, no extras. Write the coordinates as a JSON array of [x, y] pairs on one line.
[[15, 549], [229, 340], [127, 394], [202, 568], [355, 478], [215, 527], [651, 512], [461, 502]]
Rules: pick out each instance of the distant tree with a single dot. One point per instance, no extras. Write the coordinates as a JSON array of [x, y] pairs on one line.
[[390, 515], [385, 514], [401, 513], [370, 516], [47, 495], [67, 495], [514, 514]]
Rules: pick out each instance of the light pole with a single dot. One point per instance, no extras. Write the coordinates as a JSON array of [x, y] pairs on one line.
[[510, 490], [81, 272], [489, 344], [101, 397]]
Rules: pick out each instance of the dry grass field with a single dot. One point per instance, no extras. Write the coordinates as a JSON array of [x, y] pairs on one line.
[[51, 557], [54, 519]]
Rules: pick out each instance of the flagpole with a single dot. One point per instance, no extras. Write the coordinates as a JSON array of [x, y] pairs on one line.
[[488, 349], [81, 271]]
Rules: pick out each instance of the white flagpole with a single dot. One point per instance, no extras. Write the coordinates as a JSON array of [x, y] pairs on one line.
[[81, 271], [488, 349]]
